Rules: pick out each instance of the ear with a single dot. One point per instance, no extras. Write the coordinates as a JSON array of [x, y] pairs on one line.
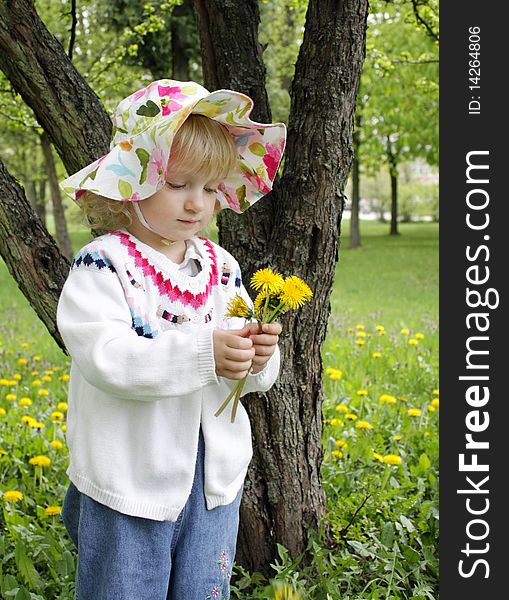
[[217, 207]]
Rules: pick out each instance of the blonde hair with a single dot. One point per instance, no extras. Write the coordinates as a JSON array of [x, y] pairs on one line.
[[202, 147]]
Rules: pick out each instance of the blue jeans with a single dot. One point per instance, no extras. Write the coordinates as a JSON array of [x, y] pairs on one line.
[[121, 557]]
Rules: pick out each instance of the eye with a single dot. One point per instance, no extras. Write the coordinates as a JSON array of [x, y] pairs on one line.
[[210, 190], [175, 186]]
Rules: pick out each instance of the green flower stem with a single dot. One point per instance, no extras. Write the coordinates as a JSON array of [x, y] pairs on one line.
[[226, 402], [273, 315], [239, 387]]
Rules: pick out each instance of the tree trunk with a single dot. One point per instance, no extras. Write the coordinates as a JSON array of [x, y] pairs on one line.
[[30, 253], [355, 234], [39, 70], [64, 243], [394, 201], [295, 229]]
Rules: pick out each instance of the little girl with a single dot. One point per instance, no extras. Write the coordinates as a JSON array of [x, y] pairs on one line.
[[155, 478]]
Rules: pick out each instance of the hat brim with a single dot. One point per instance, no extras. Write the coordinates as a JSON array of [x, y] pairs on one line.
[[135, 167]]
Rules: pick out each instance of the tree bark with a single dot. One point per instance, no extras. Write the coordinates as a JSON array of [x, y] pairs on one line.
[[393, 172], [294, 229], [61, 233], [355, 234], [40, 71], [30, 253]]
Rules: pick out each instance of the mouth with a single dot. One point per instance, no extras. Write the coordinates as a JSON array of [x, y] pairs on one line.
[[187, 221]]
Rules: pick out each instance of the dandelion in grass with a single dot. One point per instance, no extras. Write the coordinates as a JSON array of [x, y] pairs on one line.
[[376, 355], [363, 425], [341, 443], [22, 362], [351, 416], [359, 342], [64, 377], [359, 326], [47, 378], [17, 377], [43, 392], [338, 422], [436, 392], [337, 453], [413, 342], [361, 334], [377, 456], [431, 408], [13, 496], [405, 331], [10, 397], [57, 416], [435, 402], [40, 461], [36, 383], [392, 459], [37, 358], [414, 412], [334, 374], [51, 511], [62, 406], [2, 411], [362, 392], [57, 444], [397, 438], [387, 399], [380, 328], [419, 336], [342, 408]]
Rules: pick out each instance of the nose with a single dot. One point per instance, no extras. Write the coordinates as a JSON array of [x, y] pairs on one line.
[[194, 199]]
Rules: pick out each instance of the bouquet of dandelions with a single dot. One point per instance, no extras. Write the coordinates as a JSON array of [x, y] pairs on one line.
[[276, 295]]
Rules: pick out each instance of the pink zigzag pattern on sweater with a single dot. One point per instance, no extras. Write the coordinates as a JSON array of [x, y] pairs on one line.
[[165, 286]]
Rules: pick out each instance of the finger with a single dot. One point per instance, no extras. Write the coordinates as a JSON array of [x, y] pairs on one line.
[[272, 328], [236, 366], [238, 343], [265, 339], [233, 375], [236, 355], [264, 351], [247, 330]]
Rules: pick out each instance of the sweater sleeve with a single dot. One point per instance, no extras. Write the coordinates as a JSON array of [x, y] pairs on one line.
[[95, 322]]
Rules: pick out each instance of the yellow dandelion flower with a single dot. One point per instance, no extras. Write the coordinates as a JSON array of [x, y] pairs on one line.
[[405, 332], [387, 399], [419, 336], [426, 434], [267, 280], [414, 412], [339, 422], [361, 334], [350, 329], [436, 392], [37, 425], [435, 402], [57, 444], [413, 342], [259, 301], [3, 452], [27, 419], [238, 307], [34, 373], [363, 425], [22, 362], [351, 416], [359, 342], [64, 427], [24, 345], [37, 358], [337, 453], [341, 443], [4, 382], [380, 328], [49, 371], [40, 461], [334, 374], [17, 377], [2, 411], [57, 416], [62, 406], [43, 392], [376, 355], [396, 437], [10, 397], [295, 292], [52, 510], [13, 495], [431, 408], [36, 383], [377, 456], [362, 392], [359, 326], [342, 408], [25, 401], [392, 459], [13, 382], [47, 378], [64, 377]]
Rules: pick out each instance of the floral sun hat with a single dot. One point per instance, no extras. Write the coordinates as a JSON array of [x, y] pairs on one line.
[[144, 126]]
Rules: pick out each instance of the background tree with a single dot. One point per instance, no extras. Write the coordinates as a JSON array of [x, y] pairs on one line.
[[295, 229]]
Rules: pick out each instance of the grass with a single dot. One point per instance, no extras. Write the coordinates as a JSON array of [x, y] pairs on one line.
[[380, 438]]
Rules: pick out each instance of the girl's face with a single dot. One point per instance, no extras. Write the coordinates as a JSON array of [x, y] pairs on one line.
[[181, 208]]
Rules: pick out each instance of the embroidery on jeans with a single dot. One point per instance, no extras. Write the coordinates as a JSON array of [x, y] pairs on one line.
[[217, 592]]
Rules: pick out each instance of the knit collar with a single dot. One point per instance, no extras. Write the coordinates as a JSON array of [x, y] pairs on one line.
[[167, 275]]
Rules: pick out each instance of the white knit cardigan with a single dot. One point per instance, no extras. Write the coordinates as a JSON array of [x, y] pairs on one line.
[[143, 381]]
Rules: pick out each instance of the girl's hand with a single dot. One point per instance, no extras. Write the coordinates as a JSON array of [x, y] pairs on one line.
[[233, 353], [264, 344]]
